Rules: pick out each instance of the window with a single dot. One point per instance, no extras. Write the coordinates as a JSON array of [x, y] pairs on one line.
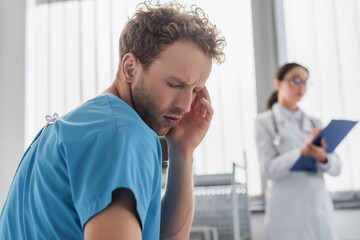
[[325, 36], [72, 56]]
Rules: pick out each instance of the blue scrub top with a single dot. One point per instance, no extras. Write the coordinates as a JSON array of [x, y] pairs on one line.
[[69, 174]]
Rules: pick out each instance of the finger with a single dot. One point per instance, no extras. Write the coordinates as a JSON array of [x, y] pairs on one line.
[[305, 150], [314, 133], [205, 94], [316, 148], [323, 143], [198, 104], [194, 102], [313, 149], [316, 130], [207, 110], [307, 145], [203, 110], [310, 148]]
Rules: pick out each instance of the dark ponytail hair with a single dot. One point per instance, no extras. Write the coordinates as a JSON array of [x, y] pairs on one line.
[[280, 74], [273, 98]]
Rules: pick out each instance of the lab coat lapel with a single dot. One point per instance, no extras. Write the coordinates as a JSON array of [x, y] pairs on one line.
[[291, 138], [282, 128], [280, 119]]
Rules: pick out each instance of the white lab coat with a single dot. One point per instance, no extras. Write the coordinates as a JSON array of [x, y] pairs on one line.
[[298, 205]]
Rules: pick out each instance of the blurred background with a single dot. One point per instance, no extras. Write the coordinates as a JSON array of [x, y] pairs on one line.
[[54, 55]]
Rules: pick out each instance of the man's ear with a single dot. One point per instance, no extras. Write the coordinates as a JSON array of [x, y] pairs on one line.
[[129, 65]]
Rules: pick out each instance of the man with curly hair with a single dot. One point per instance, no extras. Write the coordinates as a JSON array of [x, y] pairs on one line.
[[95, 173]]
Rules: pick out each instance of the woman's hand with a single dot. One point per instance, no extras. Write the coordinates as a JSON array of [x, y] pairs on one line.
[[316, 152]]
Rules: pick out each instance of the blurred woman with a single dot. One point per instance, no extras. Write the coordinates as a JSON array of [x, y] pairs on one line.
[[297, 203]]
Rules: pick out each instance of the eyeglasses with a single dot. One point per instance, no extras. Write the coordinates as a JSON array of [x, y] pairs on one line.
[[297, 81]]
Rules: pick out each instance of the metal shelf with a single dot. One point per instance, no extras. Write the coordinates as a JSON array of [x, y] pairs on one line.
[[222, 203]]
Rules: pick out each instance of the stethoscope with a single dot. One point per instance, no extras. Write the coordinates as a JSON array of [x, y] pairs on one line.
[[277, 139]]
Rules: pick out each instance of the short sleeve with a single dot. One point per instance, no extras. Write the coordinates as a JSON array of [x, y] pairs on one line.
[[117, 158]]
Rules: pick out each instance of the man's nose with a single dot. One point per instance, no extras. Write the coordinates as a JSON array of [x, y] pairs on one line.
[[184, 101]]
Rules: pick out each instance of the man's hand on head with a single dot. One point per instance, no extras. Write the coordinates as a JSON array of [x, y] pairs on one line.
[[191, 130]]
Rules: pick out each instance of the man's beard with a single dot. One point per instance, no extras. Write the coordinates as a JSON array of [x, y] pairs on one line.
[[147, 109]]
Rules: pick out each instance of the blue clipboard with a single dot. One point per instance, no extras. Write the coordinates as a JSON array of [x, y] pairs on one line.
[[333, 134]]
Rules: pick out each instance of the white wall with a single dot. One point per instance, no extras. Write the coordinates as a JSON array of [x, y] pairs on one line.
[[12, 68], [347, 225]]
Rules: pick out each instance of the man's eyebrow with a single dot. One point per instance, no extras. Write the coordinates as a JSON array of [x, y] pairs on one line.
[[182, 82], [178, 80]]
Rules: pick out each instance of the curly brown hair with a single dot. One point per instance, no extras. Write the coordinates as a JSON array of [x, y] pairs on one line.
[[155, 26]]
